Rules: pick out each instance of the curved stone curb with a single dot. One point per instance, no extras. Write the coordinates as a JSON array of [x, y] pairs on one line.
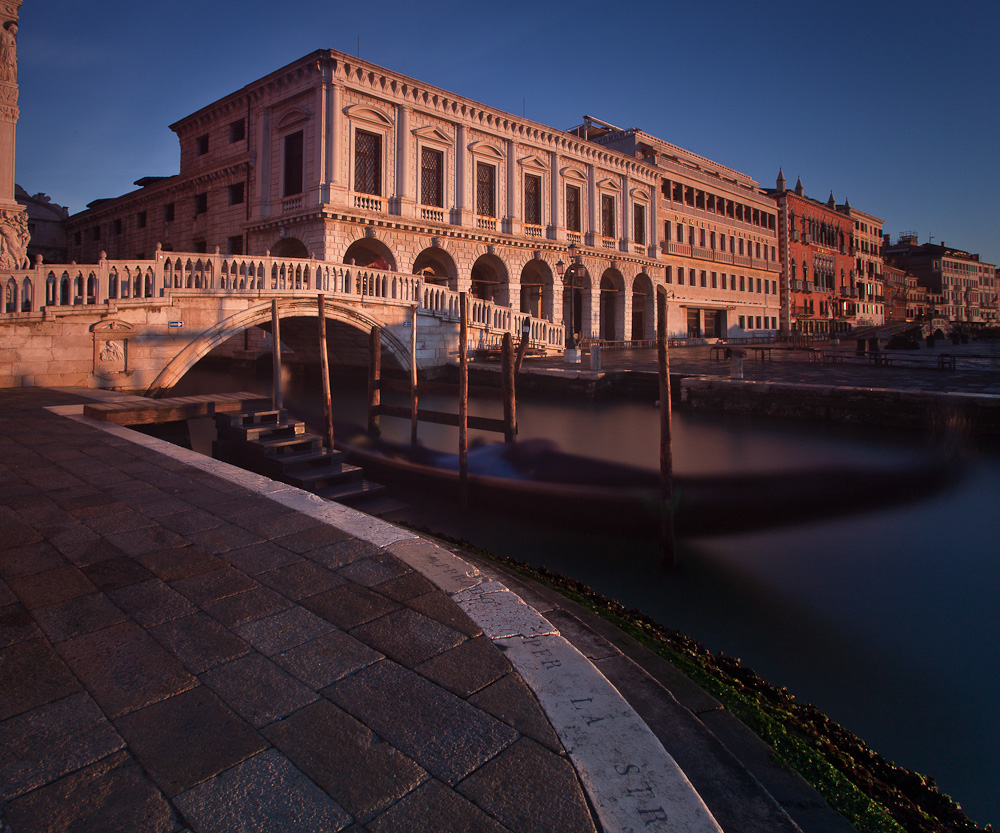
[[632, 781]]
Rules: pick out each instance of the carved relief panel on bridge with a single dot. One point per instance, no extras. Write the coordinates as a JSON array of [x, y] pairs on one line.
[[111, 348]]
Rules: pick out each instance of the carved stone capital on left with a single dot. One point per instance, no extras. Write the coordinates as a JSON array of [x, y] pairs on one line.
[[8, 46], [14, 239]]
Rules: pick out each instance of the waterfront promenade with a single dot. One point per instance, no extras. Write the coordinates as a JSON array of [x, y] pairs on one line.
[[976, 371], [185, 646]]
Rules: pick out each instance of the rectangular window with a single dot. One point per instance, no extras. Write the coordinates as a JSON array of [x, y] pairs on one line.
[[715, 280], [237, 193], [732, 282], [704, 278], [680, 233], [667, 229], [639, 224], [758, 284], [117, 226], [486, 190], [533, 199], [743, 322], [200, 203], [201, 145], [140, 220], [767, 287], [168, 212], [711, 241], [607, 215], [670, 274], [743, 287], [431, 177], [294, 158], [572, 208], [234, 245], [237, 133], [680, 275], [701, 238], [758, 322], [368, 163]]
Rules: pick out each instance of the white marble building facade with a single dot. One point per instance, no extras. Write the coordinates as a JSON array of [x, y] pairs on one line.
[[338, 159]]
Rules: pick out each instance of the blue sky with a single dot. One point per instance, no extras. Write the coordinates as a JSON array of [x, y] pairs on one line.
[[893, 105]]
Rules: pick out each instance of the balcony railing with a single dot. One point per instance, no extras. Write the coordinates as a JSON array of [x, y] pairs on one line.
[[366, 202]]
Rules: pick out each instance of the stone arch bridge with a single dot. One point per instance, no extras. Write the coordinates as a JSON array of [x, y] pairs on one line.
[[140, 325]]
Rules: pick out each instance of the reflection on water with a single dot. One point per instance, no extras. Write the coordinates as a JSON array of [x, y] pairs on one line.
[[885, 621]]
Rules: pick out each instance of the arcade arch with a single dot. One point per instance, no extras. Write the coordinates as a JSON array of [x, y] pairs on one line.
[[289, 247], [490, 280], [437, 268], [643, 318], [612, 309], [369, 253], [537, 289]]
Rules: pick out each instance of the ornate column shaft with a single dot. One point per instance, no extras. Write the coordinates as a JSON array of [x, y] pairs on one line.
[[13, 220]]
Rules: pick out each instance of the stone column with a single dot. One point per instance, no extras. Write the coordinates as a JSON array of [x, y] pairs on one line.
[[514, 186], [404, 203], [556, 220], [463, 213], [13, 220]]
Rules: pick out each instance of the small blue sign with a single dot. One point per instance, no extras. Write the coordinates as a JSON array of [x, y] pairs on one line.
[[175, 324]]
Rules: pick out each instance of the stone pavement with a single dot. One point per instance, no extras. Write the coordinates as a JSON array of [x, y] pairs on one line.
[[181, 650]]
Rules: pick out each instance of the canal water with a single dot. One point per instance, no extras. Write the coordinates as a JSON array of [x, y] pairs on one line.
[[888, 621]]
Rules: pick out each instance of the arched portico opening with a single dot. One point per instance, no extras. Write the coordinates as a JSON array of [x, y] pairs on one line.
[[612, 309], [289, 247], [536, 289], [643, 320], [576, 303], [437, 268], [490, 280], [369, 253]]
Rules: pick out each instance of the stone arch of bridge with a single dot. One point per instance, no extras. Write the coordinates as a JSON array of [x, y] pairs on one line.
[[260, 314]]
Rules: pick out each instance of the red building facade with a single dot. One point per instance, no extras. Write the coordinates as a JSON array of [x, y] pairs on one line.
[[818, 288]]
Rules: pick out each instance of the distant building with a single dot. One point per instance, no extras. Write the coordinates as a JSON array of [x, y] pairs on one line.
[[818, 291], [719, 240], [46, 226], [966, 286], [868, 272], [896, 305]]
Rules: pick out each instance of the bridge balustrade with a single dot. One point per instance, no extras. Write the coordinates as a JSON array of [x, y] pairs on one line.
[[75, 288]]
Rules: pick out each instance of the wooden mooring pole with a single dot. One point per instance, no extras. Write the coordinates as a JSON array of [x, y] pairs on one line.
[[509, 393], [668, 541], [276, 402], [374, 380], [463, 402], [324, 367], [413, 375]]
